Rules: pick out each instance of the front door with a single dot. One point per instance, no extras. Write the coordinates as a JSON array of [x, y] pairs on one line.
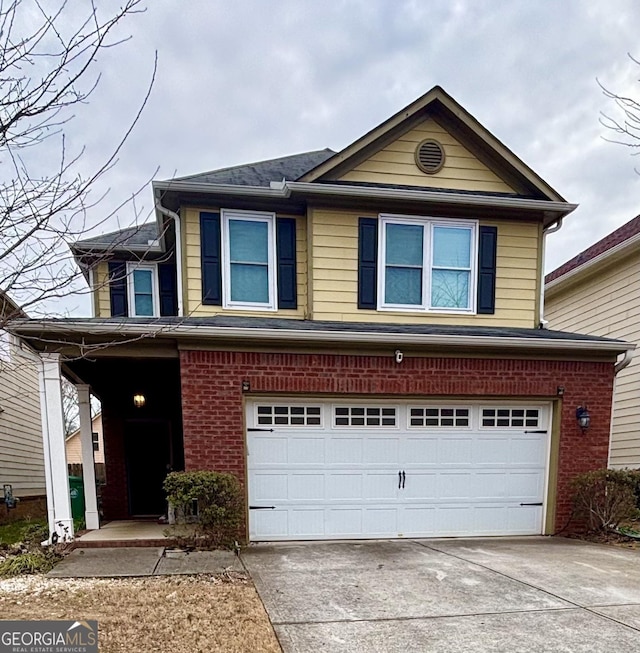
[[148, 453]]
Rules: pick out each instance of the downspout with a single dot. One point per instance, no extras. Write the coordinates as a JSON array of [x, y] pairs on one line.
[[176, 219], [542, 323], [626, 359]]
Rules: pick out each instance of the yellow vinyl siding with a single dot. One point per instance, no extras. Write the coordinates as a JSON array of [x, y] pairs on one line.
[[606, 302], [333, 282], [395, 164], [102, 300], [193, 271]]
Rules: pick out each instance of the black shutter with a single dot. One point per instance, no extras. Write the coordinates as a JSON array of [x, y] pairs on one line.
[[286, 253], [487, 245], [368, 263], [210, 254], [118, 289], [167, 283]]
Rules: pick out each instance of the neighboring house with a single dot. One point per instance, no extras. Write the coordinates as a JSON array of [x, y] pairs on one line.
[[598, 292], [21, 454], [354, 335], [74, 447]]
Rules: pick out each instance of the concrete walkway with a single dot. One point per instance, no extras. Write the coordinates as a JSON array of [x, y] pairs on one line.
[[142, 561], [513, 595]]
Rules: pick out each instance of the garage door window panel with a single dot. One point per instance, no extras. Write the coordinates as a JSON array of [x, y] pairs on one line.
[[519, 418], [277, 415], [365, 416], [438, 417]]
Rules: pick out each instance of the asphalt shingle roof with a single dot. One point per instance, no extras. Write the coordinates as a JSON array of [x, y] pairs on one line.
[[626, 231], [131, 237], [323, 325], [262, 173]]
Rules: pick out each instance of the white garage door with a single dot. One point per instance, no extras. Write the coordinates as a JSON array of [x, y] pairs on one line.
[[329, 470]]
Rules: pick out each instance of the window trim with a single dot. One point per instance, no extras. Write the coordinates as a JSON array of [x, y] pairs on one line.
[[272, 280], [428, 224], [155, 291]]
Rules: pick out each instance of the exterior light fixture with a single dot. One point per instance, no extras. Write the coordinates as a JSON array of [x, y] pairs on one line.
[[246, 386], [139, 400], [583, 417], [399, 356]]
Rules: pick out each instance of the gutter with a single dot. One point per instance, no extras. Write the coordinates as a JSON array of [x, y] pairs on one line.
[[176, 220], [36, 329], [284, 189], [547, 230]]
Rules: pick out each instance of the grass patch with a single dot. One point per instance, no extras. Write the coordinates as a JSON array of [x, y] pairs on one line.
[[16, 531]]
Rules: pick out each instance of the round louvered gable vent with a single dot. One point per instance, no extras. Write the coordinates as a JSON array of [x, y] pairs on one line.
[[430, 156]]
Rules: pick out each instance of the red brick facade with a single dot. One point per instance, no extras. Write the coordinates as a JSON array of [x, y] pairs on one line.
[[213, 408]]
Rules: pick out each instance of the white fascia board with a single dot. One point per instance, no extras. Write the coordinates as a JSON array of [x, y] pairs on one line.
[[284, 190], [303, 335], [583, 268]]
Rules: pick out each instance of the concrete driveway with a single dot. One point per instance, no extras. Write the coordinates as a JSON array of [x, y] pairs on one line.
[[512, 595]]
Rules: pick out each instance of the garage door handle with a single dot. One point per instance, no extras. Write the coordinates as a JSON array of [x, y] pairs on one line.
[[262, 507], [531, 504], [399, 480], [403, 478]]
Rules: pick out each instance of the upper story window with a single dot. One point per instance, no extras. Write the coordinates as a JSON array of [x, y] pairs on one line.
[[248, 260], [248, 252], [426, 264], [142, 280]]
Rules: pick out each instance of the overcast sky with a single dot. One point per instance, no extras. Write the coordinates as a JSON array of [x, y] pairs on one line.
[[245, 80]]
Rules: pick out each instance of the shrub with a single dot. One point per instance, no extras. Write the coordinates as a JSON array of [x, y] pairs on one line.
[[28, 562], [215, 498], [606, 497]]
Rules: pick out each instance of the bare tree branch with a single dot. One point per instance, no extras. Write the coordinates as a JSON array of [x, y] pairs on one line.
[[47, 70]]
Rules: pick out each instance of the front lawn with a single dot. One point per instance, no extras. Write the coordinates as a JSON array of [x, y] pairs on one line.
[[172, 614]]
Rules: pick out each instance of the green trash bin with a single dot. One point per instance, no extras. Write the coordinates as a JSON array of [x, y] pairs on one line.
[[76, 490]]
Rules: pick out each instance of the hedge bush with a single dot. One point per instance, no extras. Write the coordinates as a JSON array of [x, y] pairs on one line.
[[606, 497], [216, 501]]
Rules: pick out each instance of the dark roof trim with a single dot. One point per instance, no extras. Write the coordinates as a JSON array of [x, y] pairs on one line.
[[621, 235]]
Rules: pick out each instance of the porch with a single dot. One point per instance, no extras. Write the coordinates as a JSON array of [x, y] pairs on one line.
[[121, 533]]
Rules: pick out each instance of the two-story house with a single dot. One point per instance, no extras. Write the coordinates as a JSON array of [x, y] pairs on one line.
[[353, 334]]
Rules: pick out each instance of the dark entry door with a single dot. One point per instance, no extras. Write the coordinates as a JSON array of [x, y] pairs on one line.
[[148, 451]]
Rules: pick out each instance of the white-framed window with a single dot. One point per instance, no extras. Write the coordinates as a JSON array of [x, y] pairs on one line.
[[248, 257], [427, 264], [142, 287]]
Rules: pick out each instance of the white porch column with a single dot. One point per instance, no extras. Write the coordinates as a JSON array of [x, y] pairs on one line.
[[91, 518], [55, 457]]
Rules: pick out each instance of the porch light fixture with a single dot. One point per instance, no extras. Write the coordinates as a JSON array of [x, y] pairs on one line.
[[583, 417], [139, 400]]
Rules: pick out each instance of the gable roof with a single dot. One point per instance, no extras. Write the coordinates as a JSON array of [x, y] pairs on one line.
[[602, 247], [262, 173], [438, 104]]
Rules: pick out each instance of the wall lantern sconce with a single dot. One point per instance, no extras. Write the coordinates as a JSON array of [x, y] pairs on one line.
[[583, 417], [139, 400], [399, 356], [246, 386]]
